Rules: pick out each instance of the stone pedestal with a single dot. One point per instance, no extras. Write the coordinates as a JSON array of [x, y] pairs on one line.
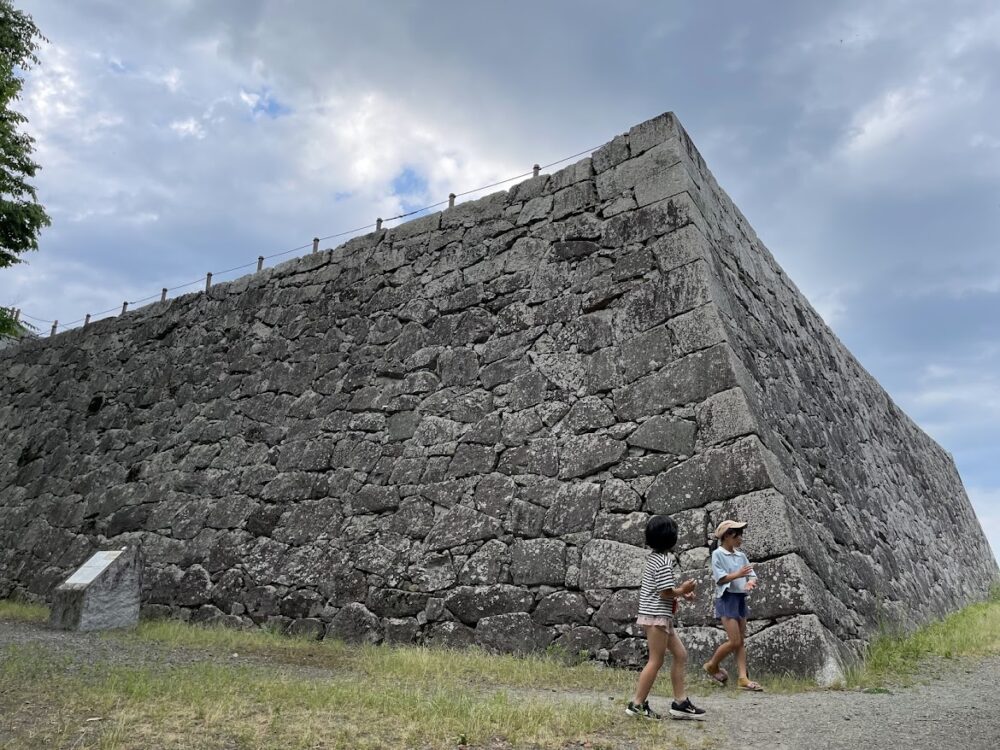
[[102, 594]]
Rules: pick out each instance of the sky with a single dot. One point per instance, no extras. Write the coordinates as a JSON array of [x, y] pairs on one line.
[[861, 140]]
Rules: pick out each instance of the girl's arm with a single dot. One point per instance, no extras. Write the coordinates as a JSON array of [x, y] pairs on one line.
[[678, 591], [745, 572]]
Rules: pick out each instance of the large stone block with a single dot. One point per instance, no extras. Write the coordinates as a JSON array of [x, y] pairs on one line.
[[588, 414], [691, 379], [648, 134], [618, 613], [539, 456], [652, 221], [618, 496], [725, 416], [513, 633], [587, 454], [450, 634], [606, 564], [701, 643], [717, 474], [461, 525], [574, 508], [629, 528], [584, 640], [630, 653], [354, 623], [470, 604], [800, 646], [665, 435], [538, 561], [102, 594], [681, 247], [396, 603], [645, 353], [789, 587], [660, 165], [700, 328], [562, 607]]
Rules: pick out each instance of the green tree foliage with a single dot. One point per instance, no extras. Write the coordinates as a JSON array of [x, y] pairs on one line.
[[21, 215]]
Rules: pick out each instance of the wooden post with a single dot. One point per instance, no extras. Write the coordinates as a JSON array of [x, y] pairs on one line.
[[55, 324], [260, 262], [124, 306], [378, 224], [17, 315], [535, 170], [208, 281], [163, 294], [315, 244], [451, 200], [86, 320]]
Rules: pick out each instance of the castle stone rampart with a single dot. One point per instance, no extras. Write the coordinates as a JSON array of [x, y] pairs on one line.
[[453, 432]]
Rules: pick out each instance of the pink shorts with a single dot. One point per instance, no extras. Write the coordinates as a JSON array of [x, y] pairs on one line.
[[664, 623]]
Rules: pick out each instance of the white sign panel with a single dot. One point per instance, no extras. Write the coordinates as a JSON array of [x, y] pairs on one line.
[[96, 565]]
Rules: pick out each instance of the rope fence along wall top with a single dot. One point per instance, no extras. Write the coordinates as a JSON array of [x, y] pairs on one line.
[[161, 296]]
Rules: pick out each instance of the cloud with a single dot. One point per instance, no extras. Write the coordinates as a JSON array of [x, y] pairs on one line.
[[957, 283], [188, 128], [832, 303], [957, 400], [895, 113], [263, 103]]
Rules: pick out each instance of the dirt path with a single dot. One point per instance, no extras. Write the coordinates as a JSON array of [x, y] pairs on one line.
[[958, 708]]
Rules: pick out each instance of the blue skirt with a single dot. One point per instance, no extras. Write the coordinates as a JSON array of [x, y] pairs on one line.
[[731, 604]]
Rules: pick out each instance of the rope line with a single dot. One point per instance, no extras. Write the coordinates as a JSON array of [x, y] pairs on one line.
[[407, 214], [40, 320]]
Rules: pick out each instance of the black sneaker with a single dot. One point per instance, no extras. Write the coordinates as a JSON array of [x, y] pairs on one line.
[[633, 709], [686, 710]]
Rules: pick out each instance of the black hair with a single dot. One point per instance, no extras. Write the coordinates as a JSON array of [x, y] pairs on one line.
[[661, 533]]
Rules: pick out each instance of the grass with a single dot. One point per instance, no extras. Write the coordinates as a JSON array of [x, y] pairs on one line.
[[896, 657], [367, 696], [221, 706], [22, 611], [414, 663]]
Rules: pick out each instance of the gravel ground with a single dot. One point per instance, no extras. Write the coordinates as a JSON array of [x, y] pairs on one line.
[[957, 707]]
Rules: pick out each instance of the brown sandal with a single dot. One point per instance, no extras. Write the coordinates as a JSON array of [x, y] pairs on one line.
[[719, 676], [746, 684]]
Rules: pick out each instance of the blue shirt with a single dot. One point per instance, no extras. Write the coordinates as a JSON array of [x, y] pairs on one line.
[[724, 563]]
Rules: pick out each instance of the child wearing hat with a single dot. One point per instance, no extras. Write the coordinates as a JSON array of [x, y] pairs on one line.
[[734, 579]]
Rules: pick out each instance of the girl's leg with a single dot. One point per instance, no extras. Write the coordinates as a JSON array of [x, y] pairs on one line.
[[677, 666], [741, 650], [657, 640], [732, 626]]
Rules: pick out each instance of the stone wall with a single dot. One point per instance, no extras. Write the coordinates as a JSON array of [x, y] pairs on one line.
[[453, 432]]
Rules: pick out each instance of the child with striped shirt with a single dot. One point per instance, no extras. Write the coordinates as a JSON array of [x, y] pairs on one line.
[[657, 604]]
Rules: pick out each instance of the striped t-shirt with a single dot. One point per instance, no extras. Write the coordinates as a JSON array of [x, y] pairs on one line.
[[657, 576]]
